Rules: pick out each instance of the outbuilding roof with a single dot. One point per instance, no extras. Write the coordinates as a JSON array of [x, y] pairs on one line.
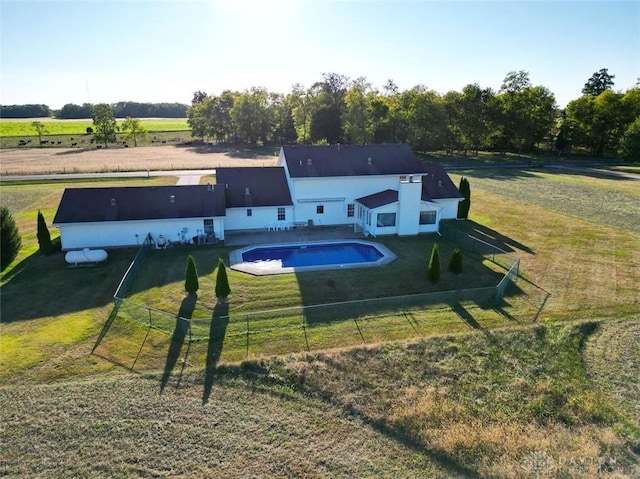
[[86, 205], [350, 160], [254, 186]]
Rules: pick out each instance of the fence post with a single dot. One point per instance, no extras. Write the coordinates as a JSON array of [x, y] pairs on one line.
[[247, 349]]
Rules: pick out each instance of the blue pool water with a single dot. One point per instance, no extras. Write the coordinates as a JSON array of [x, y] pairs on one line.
[[293, 256]]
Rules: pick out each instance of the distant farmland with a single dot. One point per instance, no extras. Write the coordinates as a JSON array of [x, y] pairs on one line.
[[23, 128]]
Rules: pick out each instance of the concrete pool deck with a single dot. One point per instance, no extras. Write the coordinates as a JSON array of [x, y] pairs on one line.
[[297, 235]]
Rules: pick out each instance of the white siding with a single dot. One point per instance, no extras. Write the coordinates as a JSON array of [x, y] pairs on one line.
[[432, 228], [449, 207], [409, 193], [261, 217], [334, 194], [123, 233]]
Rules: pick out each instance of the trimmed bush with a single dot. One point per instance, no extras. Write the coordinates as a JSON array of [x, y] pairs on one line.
[[44, 238], [222, 282], [191, 284], [455, 265], [464, 205], [9, 238], [433, 274]]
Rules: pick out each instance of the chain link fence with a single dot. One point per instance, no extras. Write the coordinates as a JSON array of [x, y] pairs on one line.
[[345, 318]]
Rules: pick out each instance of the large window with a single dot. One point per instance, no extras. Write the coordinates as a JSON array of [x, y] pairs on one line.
[[320, 209], [350, 210], [281, 214], [386, 219], [249, 212], [427, 217]]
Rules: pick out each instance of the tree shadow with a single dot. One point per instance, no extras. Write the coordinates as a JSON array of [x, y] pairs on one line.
[[61, 289], [467, 317], [178, 337], [165, 266], [483, 233], [231, 150], [217, 331]]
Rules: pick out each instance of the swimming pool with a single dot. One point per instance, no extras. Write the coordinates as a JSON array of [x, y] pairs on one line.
[[297, 257]]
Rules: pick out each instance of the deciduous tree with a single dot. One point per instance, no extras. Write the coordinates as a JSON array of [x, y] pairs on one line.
[[133, 129], [629, 149], [10, 241], [105, 124], [41, 129], [599, 82]]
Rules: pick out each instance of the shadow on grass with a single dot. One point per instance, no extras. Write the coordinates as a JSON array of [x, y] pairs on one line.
[[60, 289], [178, 337], [217, 331], [239, 150], [458, 231]]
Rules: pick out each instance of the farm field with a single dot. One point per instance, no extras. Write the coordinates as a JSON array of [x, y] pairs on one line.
[[502, 399], [65, 160], [23, 128], [62, 134]]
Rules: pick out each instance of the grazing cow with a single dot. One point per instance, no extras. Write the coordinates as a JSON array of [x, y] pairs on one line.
[[126, 146], [98, 146], [44, 142], [73, 144], [164, 141], [22, 143], [59, 143]]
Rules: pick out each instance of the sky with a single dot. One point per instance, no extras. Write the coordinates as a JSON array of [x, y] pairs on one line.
[[58, 52]]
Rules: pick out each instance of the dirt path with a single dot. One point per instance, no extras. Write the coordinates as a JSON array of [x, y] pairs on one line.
[[65, 160]]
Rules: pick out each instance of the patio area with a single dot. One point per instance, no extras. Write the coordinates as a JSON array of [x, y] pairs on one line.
[[299, 234]]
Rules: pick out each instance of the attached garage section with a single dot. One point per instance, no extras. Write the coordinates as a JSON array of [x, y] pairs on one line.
[[113, 217]]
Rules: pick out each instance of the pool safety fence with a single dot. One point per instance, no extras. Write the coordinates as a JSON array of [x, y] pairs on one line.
[[267, 326]]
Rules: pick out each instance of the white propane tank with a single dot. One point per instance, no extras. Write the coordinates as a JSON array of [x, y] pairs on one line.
[[86, 256]]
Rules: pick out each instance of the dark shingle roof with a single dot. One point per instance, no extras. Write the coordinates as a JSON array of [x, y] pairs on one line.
[[84, 205], [379, 199], [350, 160], [267, 186], [436, 184]]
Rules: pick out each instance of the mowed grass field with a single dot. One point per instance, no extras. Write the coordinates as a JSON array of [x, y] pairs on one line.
[[519, 400]]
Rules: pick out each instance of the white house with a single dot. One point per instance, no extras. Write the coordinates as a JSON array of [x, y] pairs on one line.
[[384, 189], [126, 216]]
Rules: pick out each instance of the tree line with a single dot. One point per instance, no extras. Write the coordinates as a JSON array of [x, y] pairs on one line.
[[121, 109], [518, 117]]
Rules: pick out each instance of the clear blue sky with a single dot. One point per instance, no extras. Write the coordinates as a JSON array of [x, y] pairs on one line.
[[58, 52]]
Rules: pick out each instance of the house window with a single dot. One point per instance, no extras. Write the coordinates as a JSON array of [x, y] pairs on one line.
[[350, 210], [281, 214], [386, 219], [320, 209], [403, 179], [249, 212], [427, 217], [369, 218], [360, 211]]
